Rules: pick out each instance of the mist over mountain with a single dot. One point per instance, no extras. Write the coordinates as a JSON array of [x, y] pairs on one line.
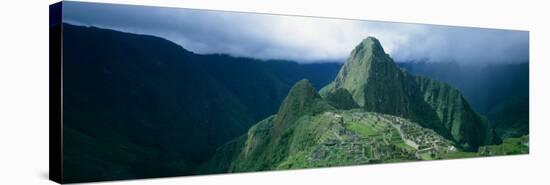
[[302, 39]]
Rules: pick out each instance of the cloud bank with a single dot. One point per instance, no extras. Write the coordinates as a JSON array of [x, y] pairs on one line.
[[302, 39]]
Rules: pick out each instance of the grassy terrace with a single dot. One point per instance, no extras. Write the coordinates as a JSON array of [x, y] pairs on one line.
[[365, 129]]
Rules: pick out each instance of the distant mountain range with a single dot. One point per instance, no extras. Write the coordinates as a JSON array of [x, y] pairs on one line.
[[138, 106]]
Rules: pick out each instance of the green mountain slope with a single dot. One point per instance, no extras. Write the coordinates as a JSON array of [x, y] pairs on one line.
[[341, 99], [302, 99], [268, 142]]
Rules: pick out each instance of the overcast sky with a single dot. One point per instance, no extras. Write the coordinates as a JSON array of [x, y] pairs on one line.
[[302, 39]]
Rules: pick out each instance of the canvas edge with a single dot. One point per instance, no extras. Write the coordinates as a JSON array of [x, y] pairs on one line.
[[55, 94]]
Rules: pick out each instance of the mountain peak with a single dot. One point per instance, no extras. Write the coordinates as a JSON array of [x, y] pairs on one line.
[[367, 64], [303, 88], [370, 40], [302, 99], [375, 82], [369, 46], [299, 98]]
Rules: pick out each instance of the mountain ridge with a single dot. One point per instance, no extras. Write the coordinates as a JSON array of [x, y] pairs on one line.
[[165, 108], [499, 92]]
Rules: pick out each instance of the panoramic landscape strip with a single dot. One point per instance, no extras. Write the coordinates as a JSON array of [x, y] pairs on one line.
[[159, 92]]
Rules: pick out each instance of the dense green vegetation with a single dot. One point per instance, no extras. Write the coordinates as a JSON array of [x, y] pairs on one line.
[[509, 146]]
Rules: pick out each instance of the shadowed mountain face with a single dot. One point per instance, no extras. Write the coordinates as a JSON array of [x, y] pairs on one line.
[[498, 91], [341, 99], [378, 85], [139, 106]]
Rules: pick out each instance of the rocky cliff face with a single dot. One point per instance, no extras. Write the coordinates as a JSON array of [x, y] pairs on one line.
[[466, 127]]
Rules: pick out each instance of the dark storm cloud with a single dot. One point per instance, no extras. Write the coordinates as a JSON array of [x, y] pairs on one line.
[[302, 39]]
